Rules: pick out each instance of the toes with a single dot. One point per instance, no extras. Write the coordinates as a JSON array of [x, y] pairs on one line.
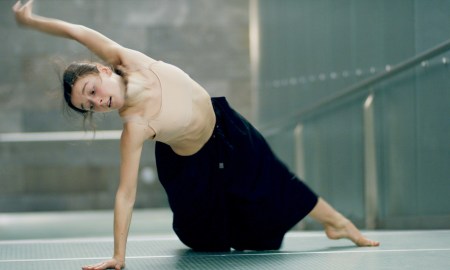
[[375, 243], [367, 243]]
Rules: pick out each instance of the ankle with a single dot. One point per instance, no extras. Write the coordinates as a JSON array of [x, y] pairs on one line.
[[335, 221]]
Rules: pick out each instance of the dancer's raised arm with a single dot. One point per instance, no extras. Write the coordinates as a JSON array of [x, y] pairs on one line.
[[105, 48]]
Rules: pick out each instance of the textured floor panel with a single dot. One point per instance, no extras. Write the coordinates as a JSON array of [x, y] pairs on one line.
[[306, 250]]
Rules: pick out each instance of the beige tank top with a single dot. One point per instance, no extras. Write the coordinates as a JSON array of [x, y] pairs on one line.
[[178, 94]]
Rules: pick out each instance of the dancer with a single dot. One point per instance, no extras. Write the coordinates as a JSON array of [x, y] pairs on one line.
[[225, 186]]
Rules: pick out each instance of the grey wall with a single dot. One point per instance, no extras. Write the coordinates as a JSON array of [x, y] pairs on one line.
[[206, 38], [311, 50]]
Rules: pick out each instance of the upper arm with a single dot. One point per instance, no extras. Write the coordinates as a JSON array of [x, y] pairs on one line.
[[131, 144], [105, 48]]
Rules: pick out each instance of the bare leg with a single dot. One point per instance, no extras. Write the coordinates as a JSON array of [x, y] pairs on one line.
[[337, 226]]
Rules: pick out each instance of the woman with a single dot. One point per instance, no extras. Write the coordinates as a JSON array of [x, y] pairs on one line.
[[225, 186]]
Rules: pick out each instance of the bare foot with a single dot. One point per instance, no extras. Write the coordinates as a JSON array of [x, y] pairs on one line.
[[337, 226], [346, 229]]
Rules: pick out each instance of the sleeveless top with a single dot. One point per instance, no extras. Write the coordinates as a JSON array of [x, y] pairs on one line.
[[178, 93]]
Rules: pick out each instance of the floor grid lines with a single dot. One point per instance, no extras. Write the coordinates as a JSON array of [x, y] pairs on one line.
[[301, 250]]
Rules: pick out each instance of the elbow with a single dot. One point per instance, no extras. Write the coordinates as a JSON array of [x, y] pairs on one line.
[[126, 197]]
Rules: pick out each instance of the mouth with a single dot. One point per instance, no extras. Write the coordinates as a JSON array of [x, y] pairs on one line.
[[109, 102]]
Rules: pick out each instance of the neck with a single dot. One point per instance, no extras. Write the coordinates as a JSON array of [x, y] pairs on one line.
[[133, 97]]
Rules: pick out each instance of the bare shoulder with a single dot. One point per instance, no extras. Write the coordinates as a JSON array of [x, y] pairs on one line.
[[134, 59], [136, 133]]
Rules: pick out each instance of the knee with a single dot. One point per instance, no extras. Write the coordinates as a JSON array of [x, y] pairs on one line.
[[202, 241], [258, 243]]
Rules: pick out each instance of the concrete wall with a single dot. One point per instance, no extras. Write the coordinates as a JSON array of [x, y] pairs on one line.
[[206, 38]]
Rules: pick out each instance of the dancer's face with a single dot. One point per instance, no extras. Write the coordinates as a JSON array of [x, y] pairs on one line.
[[98, 92]]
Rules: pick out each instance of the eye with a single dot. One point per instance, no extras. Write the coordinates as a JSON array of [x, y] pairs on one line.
[[93, 91]]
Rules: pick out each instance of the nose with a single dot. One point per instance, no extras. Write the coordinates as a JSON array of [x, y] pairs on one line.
[[98, 101]]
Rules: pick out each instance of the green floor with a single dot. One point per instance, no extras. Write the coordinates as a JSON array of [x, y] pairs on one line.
[[160, 249]]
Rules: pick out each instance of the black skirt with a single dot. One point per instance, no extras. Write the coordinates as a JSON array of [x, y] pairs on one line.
[[234, 192]]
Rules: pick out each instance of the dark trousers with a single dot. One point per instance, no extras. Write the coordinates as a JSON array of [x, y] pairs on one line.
[[234, 192]]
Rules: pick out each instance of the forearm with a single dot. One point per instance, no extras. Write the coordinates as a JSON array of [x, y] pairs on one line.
[[123, 210], [51, 26]]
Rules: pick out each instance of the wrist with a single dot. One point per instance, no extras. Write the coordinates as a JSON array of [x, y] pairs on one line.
[[119, 262], [26, 21], [119, 258]]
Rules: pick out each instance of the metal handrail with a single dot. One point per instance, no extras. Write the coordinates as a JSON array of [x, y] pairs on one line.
[[60, 136], [275, 127]]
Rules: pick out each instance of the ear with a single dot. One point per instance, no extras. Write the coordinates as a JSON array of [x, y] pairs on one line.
[[104, 69]]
